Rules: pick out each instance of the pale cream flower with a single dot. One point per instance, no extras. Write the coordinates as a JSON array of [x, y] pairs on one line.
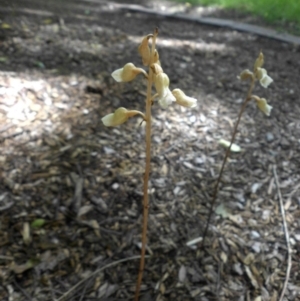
[[165, 97], [161, 83], [246, 74], [120, 116], [264, 79], [127, 73], [183, 99], [263, 106]]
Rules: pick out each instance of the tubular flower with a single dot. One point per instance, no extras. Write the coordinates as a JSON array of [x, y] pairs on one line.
[[263, 106], [127, 73], [264, 79], [144, 50], [167, 99], [120, 116], [183, 99], [161, 83], [246, 74], [165, 96]]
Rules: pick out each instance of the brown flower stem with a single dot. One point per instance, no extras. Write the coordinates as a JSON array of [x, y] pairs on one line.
[[215, 193], [147, 171]]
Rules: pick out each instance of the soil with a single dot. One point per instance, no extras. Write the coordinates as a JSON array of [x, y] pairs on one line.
[[71, 189]]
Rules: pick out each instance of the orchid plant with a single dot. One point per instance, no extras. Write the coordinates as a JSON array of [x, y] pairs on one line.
[[258, 74], [165, 97]]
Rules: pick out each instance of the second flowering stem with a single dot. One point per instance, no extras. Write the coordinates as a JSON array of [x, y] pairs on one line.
[[215, 193]]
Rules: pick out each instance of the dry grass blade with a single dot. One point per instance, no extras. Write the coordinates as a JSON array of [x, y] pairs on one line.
[[287, 236], [78, 284]]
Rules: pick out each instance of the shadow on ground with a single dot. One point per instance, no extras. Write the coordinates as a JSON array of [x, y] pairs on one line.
[[71, 190]]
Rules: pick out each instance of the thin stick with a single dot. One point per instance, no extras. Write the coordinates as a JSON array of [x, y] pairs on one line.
[[287, 236], [78, 284], [215, 193], [147, 170], [22, 290]]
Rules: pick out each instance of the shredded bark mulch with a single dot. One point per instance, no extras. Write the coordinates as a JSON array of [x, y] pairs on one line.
[[71, 189]]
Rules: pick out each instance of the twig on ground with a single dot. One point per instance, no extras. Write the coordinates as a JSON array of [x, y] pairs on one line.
[[4, 257], [287, 236], [29, 298], [84, 290], [78, 284], [218, 284]]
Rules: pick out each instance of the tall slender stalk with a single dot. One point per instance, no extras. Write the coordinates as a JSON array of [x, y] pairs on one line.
[[215, 193], [147, 170]]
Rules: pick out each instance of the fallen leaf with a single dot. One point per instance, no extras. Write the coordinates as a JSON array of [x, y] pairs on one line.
[[182, 274], [84, 210], [19, 269], [223, 211], [3, 59], [223, 257], [48, 21], [234, 147], [26, 234], [5, 25]]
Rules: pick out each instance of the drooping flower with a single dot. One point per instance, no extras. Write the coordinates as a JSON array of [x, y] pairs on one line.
[[246, 74], [264, 79], [165, 96], [127, 73], [144, 50], [183, 99], [263, 106], [120, 116], [167, 99], [161, 83]]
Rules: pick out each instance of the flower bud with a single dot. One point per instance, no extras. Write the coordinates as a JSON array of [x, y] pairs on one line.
[[264, 79], [184, 100], [144, 50], [156, 68], [156, 57], [120, 116], [259, 61], [263, 106], [127, 73]]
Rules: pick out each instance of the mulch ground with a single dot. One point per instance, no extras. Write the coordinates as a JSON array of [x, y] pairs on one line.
[[71, 189]]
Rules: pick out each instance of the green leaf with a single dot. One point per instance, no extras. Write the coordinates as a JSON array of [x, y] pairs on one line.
[[40, 64], [38, 223], [3, 59], [31, 263], [5, 25], [48, 21]]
